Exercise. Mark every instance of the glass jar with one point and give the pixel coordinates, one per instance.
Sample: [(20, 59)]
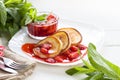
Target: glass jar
[(46, 27)]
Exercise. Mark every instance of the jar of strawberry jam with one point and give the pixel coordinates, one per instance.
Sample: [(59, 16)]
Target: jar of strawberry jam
[(45, 24)]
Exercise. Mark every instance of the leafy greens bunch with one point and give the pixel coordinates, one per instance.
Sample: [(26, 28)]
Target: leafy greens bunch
[(98, 68), (14, 14)]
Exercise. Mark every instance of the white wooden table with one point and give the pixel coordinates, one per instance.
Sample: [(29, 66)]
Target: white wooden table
[(104, 13)]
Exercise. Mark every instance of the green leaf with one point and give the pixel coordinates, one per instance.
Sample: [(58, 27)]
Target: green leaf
[(87, 78), (88, 64), (13, 29), (13, 12), (12, 1), (97, 76), (26, 20), (102, 64), (3, 13), (24, 8), (2, 0), (33, 13), (41, 17), (78, 70)]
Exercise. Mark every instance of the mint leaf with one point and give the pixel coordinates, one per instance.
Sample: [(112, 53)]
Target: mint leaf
[(79, 70), (40, 17), (103, 65), (13, 16), (88, 64), (13, 12), (32, 13), (98, 69), (26, 20), (12, 1), (3, 13), (97, 76)]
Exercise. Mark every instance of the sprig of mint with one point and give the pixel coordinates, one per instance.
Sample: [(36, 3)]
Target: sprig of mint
[(98, 68), (40, 18), (15, 14)]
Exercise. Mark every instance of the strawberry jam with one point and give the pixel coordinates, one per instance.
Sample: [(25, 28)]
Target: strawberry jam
[(71, 55), (45, 27)]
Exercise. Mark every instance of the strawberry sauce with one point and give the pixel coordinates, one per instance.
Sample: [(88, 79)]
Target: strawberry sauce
[(71, 55)]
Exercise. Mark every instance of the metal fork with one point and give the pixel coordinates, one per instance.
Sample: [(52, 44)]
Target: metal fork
[(12, 64), (7, 69)]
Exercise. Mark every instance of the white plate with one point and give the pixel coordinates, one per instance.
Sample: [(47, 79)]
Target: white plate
[(90, 33)]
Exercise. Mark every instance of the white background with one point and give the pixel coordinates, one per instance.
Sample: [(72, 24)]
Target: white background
[(104, 13)]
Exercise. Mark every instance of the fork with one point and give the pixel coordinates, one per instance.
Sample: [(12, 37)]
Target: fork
[(13, 64), (7, 69)]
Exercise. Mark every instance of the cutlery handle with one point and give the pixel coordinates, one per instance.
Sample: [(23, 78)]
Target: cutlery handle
[(9, 70), (4, 68)]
